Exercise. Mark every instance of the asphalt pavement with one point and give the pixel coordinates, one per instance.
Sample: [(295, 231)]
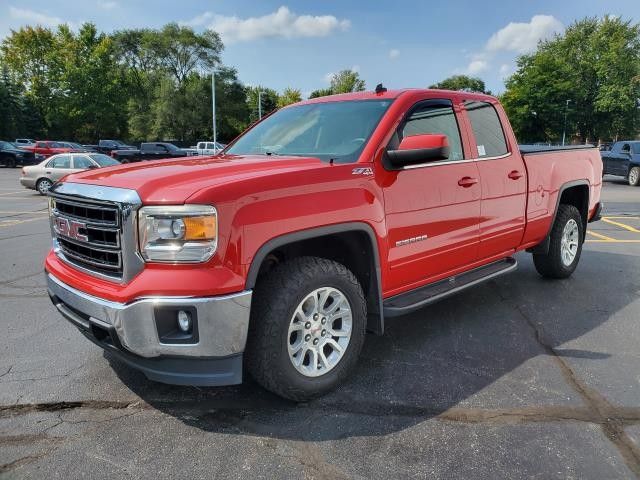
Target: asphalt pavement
[(518, 378)]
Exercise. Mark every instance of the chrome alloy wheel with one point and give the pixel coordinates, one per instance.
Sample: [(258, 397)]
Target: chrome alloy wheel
[(633, 176), (43, 186), (569, 242), (319, 331)]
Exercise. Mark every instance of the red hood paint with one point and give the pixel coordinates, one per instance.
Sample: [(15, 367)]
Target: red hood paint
[(174, 181)]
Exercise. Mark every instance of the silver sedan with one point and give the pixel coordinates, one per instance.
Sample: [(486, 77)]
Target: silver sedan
[(40, 177)]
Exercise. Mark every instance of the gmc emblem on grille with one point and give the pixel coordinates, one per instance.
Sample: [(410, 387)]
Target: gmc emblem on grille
[(70, 229)]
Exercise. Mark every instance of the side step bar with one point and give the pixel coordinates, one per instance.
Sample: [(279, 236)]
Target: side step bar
[(418, 298)]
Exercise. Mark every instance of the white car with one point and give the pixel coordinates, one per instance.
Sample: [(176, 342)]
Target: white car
[(209, 148)]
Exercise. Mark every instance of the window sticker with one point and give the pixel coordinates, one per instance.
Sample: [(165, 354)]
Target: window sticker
[(481, 151)]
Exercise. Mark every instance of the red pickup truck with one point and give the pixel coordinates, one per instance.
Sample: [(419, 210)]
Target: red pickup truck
[(314, 226), (46, 148)]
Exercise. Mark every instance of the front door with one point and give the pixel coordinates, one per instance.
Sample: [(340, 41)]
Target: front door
[(504, 183), (433, 209)]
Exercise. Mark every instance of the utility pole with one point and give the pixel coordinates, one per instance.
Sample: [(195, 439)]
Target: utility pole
[(259, 104), (564, 130), (213, 105)]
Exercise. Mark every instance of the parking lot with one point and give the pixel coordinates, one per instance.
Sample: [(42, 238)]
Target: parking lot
[(520, 377)]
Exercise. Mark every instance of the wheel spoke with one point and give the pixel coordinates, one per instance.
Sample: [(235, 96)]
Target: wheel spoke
[(307, 340)]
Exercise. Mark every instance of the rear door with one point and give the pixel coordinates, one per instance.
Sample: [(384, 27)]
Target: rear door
[(432, 209), (503, 180), (58, 167)]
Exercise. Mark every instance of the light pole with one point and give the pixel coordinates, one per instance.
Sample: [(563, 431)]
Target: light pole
[(213, 105), (564, 129), (259, 104)]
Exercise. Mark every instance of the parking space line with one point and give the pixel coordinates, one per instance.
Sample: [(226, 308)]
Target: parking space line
[(11, 193), (622, 217), (621, 225), (11, 223), (601, 237), (612, 241)]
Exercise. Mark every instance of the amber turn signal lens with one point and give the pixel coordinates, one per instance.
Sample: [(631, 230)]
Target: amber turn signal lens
[(200, 228)]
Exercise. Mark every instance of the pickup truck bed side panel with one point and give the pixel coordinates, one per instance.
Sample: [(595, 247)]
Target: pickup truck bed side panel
[(548, 172)]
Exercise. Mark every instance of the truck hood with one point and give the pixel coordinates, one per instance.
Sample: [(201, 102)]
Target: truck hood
[(175, 180)]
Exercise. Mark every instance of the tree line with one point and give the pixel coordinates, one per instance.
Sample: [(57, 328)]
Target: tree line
[(136, 84), (142, 84)]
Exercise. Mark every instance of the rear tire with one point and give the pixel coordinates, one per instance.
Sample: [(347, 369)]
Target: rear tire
[(565, 245), (43, 185), (287, 327), (634, 176)]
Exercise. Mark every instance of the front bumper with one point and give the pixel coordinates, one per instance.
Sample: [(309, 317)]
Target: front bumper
[(130, 331)]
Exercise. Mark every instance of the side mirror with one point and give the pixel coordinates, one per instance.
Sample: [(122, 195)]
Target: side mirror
[(415, 149)]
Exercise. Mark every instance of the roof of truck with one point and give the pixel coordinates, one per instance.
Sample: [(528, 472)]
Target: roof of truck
[(391, 94)]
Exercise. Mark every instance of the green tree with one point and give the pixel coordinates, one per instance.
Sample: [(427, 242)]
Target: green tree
[(347, 81), (323, 92), (268, 99), (462, 82), (289, 96), (31, 55), (595, 65)]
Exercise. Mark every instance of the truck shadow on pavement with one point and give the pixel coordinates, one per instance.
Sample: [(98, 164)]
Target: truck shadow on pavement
[(500, 346)]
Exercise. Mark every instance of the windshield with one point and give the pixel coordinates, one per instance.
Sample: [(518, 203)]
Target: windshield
[(4, 145), (103, 160), (330, 131), (171, 147)]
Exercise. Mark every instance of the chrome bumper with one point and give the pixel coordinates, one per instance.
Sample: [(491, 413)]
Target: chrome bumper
[(222, 321)]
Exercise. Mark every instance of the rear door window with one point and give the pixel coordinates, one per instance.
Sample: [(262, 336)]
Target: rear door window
[(61, 161), (487, 129)]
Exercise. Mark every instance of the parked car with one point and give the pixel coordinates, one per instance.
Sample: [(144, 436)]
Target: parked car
[(20, 142), (315, 225), (47, 148), (40, 177), (76, 147), (209, 148), (150, 151), (12, 156), (107, 146), (623, 160)]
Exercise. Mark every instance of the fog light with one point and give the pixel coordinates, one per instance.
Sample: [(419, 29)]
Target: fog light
[(184, 321)]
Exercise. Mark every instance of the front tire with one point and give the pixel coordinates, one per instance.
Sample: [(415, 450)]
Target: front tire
[(308, 319), (634, 176), (565, 246)]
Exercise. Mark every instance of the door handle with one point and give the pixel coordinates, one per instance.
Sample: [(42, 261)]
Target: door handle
[(467, 182), (515, 175)]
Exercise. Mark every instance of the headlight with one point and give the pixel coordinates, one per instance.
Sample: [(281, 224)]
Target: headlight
[(181, 233)]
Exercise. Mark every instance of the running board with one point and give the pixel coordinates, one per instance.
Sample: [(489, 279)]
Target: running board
[(418, 298)]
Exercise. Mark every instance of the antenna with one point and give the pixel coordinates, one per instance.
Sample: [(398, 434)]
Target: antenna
[(380, 89)]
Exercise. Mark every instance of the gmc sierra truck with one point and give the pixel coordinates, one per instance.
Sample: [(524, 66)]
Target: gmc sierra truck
[(319, 223)]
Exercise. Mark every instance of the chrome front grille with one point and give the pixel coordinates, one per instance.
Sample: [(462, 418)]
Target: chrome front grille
[(94, 230), (88, 234)]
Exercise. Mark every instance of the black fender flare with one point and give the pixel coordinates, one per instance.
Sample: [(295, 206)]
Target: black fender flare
[(543, 246), (375, 320)]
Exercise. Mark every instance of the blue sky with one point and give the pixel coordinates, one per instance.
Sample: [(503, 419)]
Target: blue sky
[(300, 43)]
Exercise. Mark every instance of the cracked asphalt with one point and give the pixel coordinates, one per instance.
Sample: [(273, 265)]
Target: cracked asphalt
[(518, 378)]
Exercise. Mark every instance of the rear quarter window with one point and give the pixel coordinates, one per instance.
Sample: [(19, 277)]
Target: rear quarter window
[(487, 129)]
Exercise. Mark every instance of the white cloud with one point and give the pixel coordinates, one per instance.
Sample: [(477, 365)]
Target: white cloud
[(394, 53), (33, 17), (107, 5), (477, 66), (282, 23), (198, 20), (524, 37)]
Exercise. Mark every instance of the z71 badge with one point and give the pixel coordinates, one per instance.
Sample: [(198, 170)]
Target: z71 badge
[(362, 171)]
